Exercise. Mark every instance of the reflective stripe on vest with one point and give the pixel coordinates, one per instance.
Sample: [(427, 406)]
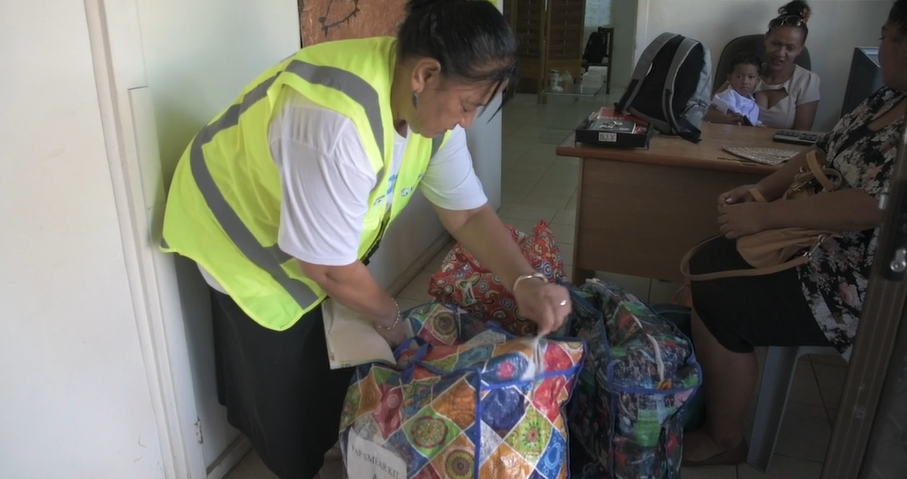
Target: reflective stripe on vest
[(270, 258)]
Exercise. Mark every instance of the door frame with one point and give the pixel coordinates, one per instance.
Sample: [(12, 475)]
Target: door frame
[(127, 122), (883, 310)]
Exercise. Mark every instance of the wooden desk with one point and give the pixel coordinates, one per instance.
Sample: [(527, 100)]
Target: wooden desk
[(639, 211)]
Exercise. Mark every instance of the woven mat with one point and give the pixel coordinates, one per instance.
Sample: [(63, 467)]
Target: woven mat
[(766, 156)]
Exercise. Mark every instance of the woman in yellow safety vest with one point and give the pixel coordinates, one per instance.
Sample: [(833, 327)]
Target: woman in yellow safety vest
[(281, 199)]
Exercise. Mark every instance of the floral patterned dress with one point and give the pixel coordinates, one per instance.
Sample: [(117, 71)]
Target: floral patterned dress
[(835, 280)]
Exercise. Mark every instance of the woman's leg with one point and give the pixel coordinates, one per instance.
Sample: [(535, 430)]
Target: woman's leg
[(729, 380), (278, 388), (732, 316)]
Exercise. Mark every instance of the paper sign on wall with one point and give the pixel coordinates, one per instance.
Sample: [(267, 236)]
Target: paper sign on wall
[(367, 460)]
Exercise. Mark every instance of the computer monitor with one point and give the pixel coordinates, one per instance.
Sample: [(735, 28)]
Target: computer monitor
[(865, 78)]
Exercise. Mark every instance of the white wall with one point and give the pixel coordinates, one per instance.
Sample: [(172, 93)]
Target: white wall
[(623, 19), (598, 14), (836, 27), (198, 56), (75, 398)]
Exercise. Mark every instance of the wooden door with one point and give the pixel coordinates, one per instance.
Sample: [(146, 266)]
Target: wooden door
[(565, 40), (528, 25)]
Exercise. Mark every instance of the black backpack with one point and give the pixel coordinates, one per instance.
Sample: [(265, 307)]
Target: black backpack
[(670, 87), (596, 48)]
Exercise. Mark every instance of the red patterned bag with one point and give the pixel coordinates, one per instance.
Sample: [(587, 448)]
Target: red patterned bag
[(468, 284)]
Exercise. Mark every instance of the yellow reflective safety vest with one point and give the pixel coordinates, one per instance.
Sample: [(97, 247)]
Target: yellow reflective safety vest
[(223, 207)]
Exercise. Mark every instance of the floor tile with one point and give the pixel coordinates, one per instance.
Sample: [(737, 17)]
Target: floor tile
[(529, 133), (636, 285), (534, 213), (805, 432), (523, 176), (563, 233), (539, 154), (565, 217), (407, 303), (525, 226), (554, 136), (534, 198), (572, 204), (662, 292), (561, 172), (709, 472), (251, 467), (331, 470), (566, 250), (513, 199), (782, 468), (417, 289), (568, 160), (830, 359), (434, 264), (512, 186), (831, 382), (514, 147), (805, 389), (559, 188)]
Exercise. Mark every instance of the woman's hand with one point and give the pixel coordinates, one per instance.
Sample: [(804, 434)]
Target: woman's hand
[(740, 194), (744, 218), (547, 304), (394, 336)]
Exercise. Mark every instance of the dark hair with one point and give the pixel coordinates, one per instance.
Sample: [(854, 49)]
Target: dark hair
[(469, 38), (747, 59), (797, 8), (898, 16)]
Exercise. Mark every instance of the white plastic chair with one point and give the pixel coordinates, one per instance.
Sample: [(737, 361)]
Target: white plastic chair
[(777, 376)]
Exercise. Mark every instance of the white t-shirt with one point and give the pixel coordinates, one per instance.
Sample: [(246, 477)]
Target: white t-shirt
[(802, 87), (326, 177), (731, 101)]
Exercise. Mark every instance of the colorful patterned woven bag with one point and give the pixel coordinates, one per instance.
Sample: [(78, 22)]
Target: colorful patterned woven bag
[(465, 282), (465, 400), (626, 416)]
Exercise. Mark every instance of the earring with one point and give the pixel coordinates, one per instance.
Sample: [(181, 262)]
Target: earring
[(415, 100)]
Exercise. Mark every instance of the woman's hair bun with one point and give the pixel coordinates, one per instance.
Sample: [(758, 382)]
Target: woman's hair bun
[(417, 5), (798, 8)]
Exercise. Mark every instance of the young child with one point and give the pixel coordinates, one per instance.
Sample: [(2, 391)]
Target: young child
[(737, 103)]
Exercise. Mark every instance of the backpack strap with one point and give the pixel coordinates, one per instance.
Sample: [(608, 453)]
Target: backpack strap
[(683, 128), (642, 69)]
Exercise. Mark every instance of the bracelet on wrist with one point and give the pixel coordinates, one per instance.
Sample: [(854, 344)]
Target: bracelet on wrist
[(397, 318), (528, 276)]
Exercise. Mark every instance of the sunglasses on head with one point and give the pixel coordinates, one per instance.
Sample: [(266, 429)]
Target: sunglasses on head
[(789, 20)]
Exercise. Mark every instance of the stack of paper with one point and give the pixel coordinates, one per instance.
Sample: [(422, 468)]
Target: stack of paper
[(352, 339)]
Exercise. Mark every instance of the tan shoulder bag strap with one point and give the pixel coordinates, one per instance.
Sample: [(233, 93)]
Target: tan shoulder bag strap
[(685, 266), (818, 171)]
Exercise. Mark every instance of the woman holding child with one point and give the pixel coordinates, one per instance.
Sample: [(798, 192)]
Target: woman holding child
[(784, 94), (818, 303)]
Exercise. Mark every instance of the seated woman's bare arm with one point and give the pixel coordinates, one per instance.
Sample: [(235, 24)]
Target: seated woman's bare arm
[(761, 99), (806, 116), (846, 210)]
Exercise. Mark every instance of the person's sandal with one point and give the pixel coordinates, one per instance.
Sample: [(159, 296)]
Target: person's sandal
[(731, 457)]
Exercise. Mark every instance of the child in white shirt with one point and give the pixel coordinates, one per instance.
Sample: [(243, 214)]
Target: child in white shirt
[(737, 104)]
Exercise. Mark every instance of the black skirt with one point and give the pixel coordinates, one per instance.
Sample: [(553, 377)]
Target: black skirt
[(745, 312), (278, 387)]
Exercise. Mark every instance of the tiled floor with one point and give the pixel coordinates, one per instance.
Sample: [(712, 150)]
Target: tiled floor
[(539, 185)]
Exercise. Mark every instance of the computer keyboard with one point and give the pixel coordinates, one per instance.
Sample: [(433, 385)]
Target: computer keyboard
[(796, 137)]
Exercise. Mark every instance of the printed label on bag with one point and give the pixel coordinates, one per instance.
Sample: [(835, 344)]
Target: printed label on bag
[(607, 137), (368, 460)]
